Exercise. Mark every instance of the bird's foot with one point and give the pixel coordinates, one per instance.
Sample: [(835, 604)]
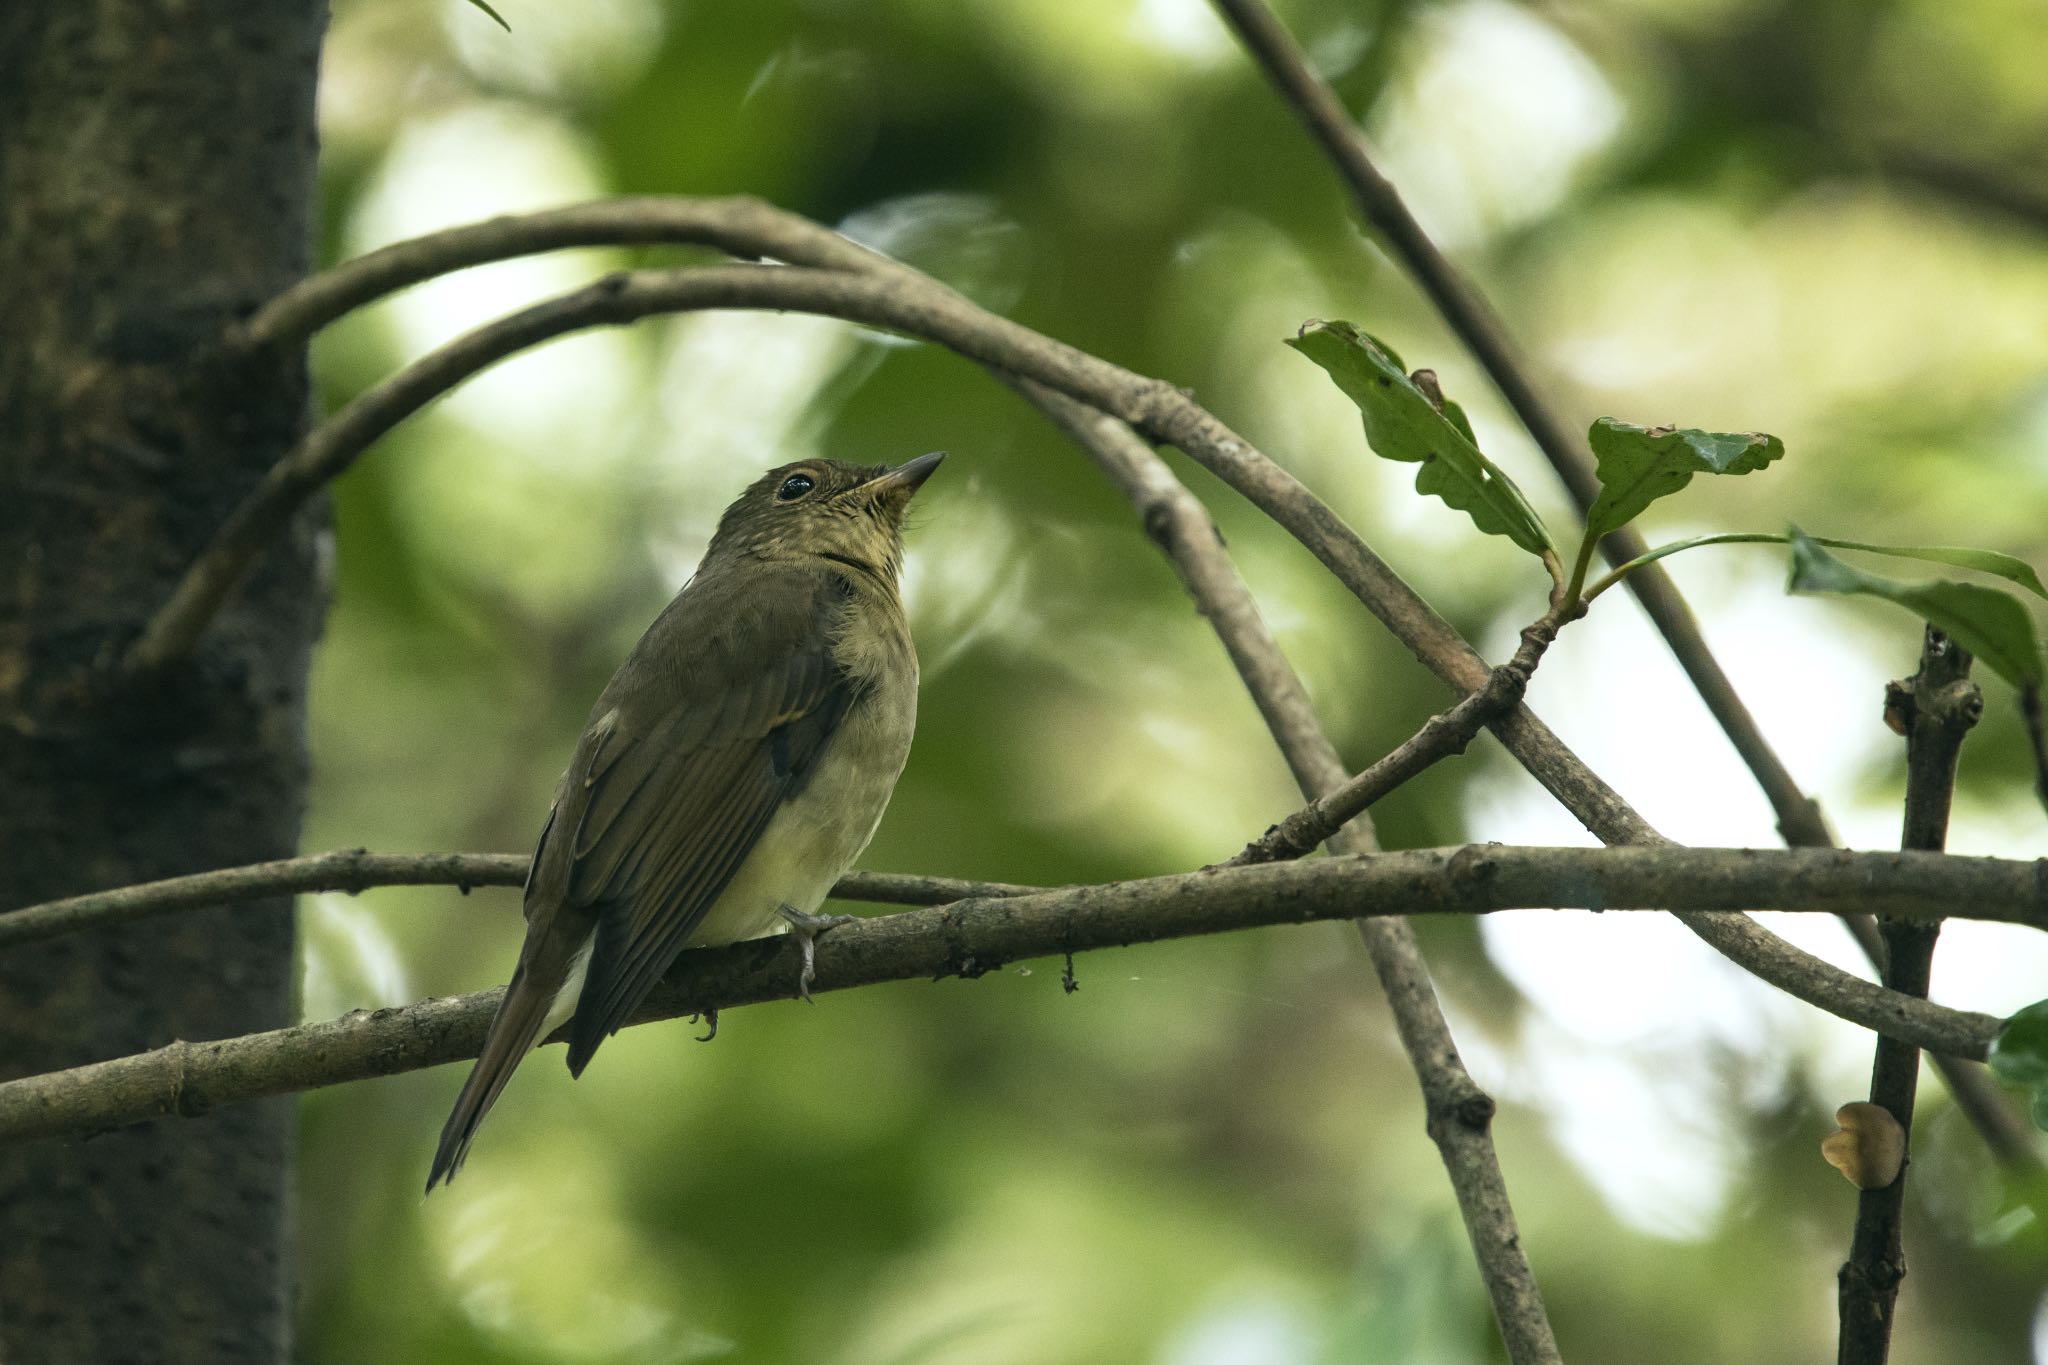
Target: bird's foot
[(710, 1018), (805, 929)]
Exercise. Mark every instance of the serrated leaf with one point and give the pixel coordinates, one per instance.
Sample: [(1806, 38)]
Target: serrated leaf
[(1402, 424), (2020, 1051), (1455, 415), (1989, 622), (1638, 465)]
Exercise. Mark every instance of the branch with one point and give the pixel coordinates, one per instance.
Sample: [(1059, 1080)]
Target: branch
[(1176, 521), (976, 936), (741, 226), (1940, 706), (1459, 1112), (907, 302), (355, 870), (1800, 821), (1462, 306), (1442, 735)]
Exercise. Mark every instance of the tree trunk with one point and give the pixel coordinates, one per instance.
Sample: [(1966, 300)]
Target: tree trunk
[(156, 172)]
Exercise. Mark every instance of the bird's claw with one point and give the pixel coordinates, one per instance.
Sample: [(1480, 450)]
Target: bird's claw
[(710, 1018), (805, 929)]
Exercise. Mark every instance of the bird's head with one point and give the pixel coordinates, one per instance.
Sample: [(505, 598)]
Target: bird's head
[(850, 514)]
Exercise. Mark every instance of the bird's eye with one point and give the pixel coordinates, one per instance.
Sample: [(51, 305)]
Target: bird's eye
[(794, 487)]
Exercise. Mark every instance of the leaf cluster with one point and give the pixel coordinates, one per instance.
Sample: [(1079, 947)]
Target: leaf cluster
[(1407, 418)]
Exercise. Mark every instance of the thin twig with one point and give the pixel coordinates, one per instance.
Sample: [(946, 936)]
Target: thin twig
[(1939, 706), (1800, 820), (976, 936), (1468, 314), (1459, 1112), (1442, 735), (356, 870)]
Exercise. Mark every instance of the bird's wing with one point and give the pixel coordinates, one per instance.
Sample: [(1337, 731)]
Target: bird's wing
[(682, 770)]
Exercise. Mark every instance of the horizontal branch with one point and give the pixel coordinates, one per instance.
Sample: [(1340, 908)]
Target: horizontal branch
[(972, 937), (355, 870)]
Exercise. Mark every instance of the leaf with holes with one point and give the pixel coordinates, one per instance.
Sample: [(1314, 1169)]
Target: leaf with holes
[(1989, 622), (1638, 465), (1401, 423)]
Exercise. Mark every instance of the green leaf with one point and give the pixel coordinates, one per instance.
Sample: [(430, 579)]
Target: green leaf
[(2011, 569), (1989, 622), (2019, 1055), (1402, 424), (1985, 561), (1638, 465)]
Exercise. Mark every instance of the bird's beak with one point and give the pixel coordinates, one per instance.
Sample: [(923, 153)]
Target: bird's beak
[(898, 484)]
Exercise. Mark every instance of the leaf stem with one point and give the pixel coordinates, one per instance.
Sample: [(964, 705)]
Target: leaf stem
[(1621, 571), (1587, 544)]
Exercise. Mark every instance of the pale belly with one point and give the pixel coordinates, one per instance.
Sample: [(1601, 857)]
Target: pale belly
[(815, 837), (808, 844)]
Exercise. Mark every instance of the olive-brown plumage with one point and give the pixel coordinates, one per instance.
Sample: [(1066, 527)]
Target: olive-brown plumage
[(731, 771)]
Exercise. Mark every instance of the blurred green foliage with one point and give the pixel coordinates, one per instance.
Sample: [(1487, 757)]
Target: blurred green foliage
[(1805, 216)]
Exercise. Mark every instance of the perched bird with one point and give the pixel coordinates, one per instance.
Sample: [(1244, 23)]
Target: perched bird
[(732, 770)]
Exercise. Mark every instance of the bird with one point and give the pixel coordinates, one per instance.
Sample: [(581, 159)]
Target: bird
[(731, 770)]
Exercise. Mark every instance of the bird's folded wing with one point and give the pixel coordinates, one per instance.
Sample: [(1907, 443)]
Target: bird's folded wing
[(664, 801)]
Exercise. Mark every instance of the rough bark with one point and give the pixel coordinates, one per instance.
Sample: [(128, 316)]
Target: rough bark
[(156, 170)]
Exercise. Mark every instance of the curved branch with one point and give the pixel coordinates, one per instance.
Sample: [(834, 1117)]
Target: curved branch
[(355, 870), (897, 299), (976, 936), (740, 226), (1460, 1113), (1175, 520)]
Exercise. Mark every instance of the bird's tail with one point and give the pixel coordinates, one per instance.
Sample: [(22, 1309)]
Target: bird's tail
[(521, 1018)]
